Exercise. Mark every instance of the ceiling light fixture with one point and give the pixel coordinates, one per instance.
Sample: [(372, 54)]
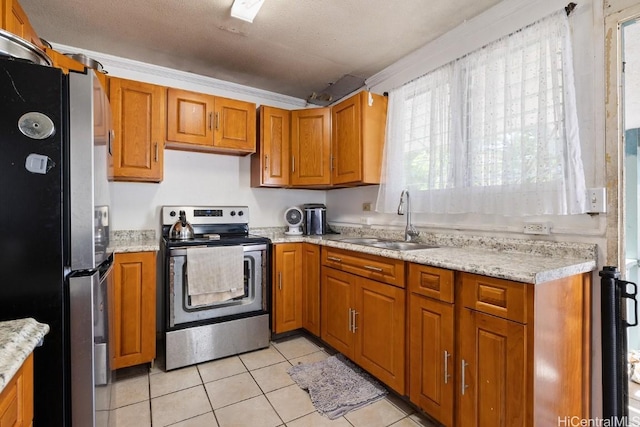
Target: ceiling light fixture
[(246, 9)]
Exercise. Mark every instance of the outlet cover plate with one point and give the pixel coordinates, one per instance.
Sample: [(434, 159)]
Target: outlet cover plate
[(537, 228)]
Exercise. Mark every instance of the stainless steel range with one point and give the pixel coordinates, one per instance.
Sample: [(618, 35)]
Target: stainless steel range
[(216, 284)]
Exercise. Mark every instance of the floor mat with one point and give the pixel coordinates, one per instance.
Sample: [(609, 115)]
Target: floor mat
[(336, 386)]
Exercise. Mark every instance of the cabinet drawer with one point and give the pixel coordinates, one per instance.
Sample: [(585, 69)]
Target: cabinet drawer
[(387, 270), (498, 297), (431, 282)]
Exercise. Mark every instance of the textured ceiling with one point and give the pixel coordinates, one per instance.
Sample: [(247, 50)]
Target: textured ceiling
[(293, 47)]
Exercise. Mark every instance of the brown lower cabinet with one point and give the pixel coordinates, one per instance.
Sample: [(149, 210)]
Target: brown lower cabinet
[(365, 320), (311, 288), (134, 308), (16, 399)]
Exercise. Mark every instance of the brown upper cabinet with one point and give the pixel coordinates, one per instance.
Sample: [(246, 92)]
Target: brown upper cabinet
[(357, 139), (200, 122), (339, 146), (311, 147), (270, 163), (138, 120), (15, 20)]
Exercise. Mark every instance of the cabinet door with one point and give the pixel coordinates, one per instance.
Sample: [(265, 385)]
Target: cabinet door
[(311, 288), (431, 362), (234, 124), (336, 307), (138, 120), (134, 308), (311, 147), (270, 163), (346, 142), (189, 117), (287, 287), (15, 20), (16, 399), (493, 372), (380, 331)]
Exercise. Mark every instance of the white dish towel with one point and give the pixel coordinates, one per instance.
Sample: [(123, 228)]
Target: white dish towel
[(215, 274)]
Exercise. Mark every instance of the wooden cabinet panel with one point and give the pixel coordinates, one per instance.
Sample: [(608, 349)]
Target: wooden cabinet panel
[(16, 399), (200, 122), (431, 355), (270, 164), (498, 297), (380, 332), (134, 308), (138, 118), (311, 147), (336, 303), (358, 133), (15, 20), (311, 288), (431, 282), (494, 381), (287, 287), (374, 267), (189, 117), (234, 125)]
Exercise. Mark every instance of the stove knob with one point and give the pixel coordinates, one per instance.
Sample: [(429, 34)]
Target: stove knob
[(233, 213), (240, 213), (172, 213)]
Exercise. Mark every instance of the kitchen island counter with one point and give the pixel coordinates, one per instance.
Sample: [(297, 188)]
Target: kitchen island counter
[(18, 339), (525, 261)]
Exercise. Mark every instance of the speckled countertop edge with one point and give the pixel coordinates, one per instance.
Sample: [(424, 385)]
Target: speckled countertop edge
[(121, 241), (529, 262), (18, 338)]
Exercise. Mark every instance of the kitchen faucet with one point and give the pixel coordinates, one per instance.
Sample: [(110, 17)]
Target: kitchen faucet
[(409, 230)]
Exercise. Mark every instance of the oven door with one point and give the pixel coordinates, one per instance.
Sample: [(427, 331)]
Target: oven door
[(182, 313)]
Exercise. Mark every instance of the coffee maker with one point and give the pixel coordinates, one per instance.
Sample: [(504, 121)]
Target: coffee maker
[(315, 219)]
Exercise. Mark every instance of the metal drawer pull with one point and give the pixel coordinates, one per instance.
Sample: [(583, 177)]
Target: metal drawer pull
[(447, 355), (372, 268), (464, 386), (280, 280), (355, 313), (332, 258)]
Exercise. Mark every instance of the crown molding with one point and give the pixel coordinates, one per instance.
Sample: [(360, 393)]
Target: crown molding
[(168, 73)]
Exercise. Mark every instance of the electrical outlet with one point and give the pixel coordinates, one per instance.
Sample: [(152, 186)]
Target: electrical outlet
[(537, 228), (366, 207)]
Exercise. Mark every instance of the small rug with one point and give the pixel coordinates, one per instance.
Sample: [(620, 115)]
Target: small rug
[(336, 386)]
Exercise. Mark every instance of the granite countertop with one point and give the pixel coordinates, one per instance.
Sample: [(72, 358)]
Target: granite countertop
[(523, 261), (18, 338), (134, 241)]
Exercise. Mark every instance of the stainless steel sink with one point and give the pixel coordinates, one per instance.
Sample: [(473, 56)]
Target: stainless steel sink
[(403, 246), (387, 244), (361, 240)]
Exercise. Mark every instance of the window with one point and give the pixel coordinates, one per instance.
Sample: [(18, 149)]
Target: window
[(494, 132)]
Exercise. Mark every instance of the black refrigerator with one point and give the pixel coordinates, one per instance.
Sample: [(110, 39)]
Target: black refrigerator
[(54, 254)]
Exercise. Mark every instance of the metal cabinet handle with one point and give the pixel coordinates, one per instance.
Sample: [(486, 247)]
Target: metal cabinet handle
[(155, 158), (266, 162), (332, 258), (464, 386), (293, 164), (331, 163), (217, 120), (447, 355), (372, 268), (355, 326), (210, 121), (280, 280), (350, 321)]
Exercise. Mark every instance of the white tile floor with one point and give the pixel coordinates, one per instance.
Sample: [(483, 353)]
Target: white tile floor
[(252, 389)]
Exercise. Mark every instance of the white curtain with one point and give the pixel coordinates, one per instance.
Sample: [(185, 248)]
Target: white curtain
[(495, 132)]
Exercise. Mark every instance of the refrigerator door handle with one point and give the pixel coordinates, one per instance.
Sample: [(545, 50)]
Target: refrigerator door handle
[(632, 296)]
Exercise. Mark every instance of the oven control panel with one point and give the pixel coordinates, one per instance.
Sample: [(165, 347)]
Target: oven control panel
[(206, 214)]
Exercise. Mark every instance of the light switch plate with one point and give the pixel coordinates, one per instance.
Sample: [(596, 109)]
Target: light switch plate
[(597, 200)]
